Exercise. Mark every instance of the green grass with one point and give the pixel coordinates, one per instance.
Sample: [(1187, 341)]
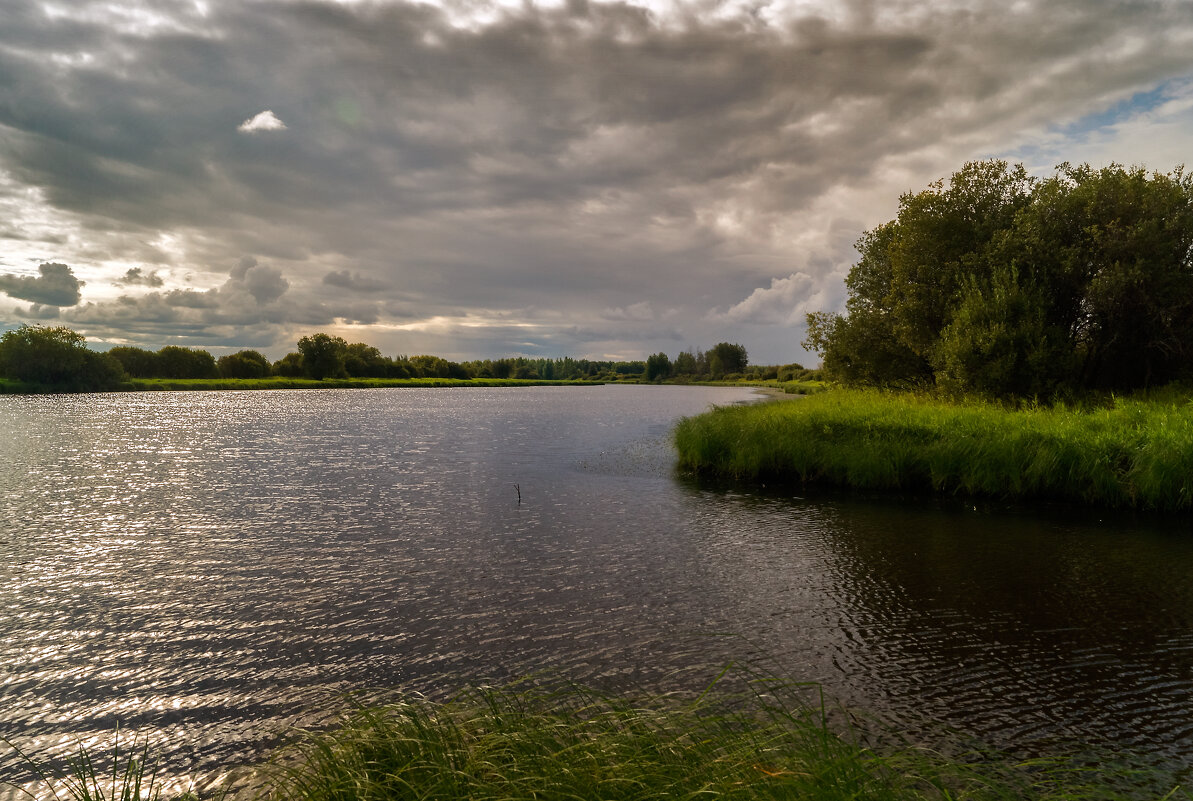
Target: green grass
[(131, 776), (10, 386), (802, 387), (786, 387), (534, 740), (1132, 453)]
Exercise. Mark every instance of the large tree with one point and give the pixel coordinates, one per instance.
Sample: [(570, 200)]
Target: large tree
[(999, 284), (56, 357), (174, 361), (658, 367), (726, 357), (323, 356), (244, 364), (137, 362)]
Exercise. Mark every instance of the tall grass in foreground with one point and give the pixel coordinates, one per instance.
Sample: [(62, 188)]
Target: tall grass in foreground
[(1133, 453), (531, 741), (131, 776), (573, 743)]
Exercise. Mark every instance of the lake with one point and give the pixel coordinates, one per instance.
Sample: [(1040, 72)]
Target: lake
[(213, 568)]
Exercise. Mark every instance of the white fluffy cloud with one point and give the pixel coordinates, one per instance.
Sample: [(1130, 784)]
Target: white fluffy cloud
[(265, 121), (785, 301)]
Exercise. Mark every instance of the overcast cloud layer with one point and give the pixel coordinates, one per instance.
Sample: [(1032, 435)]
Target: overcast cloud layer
[(471, 180)]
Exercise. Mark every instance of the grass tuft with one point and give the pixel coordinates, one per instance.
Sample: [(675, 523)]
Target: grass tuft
[(534, 742), (132, 776)]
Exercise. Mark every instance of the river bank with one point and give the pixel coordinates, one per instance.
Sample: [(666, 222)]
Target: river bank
[(1134, 454)]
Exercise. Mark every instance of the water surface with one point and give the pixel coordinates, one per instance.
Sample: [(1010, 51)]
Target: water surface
[(213, 568)]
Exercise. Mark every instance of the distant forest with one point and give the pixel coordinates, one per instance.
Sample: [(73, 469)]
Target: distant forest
[(58, 357)]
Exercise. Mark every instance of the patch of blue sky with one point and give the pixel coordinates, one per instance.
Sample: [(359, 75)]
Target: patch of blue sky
[(1111, 132), (1132, 107)]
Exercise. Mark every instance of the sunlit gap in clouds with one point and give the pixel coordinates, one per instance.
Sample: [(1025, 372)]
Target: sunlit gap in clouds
[(467, 15), (131, 18)]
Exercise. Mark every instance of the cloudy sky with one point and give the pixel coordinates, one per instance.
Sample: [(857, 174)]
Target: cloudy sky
[(474, 178)]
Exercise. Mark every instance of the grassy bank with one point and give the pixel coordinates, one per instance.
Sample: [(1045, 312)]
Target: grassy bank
[(10, 386), (568, 742), (573, 743), (786, 387), (1131, 454)]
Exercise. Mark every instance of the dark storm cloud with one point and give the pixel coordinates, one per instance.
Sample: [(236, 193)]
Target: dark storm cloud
[(189, 299), (347, 279), (265, 284), (55, 285), (40, 312), (585, 159)]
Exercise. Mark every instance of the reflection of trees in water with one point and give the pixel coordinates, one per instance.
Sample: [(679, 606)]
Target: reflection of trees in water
[(1019, 626)]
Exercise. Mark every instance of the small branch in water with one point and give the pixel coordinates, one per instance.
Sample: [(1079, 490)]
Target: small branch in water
[(518, 489)]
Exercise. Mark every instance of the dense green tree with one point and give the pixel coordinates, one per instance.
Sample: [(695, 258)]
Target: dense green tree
[(999, 344), (399, 368), (137, 362), (431, 366), (244, 364), (177, 362), (658, 367), (57, 357), (289, 366), (862, 349), (685, 364), (725, 358), (937, 242), (365, 361), (1002, 285), (323, 356), (1125, 271)]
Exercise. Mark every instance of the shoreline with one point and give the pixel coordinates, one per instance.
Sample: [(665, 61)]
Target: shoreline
[(775, 390)]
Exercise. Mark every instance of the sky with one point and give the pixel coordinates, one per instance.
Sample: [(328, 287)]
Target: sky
[(477, 179)]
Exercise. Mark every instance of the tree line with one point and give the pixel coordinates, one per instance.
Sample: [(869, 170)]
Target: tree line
[(999, 284), (58, 357)]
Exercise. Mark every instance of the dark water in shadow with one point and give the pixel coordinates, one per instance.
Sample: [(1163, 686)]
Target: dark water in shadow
[(212, 568)]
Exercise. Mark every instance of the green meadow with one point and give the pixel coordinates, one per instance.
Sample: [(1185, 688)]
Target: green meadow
[(1125, 453)]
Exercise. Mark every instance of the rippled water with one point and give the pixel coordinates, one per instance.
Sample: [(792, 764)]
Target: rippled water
[(213, 568)]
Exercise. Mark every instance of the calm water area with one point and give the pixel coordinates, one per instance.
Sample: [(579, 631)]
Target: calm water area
[(212, 569)]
